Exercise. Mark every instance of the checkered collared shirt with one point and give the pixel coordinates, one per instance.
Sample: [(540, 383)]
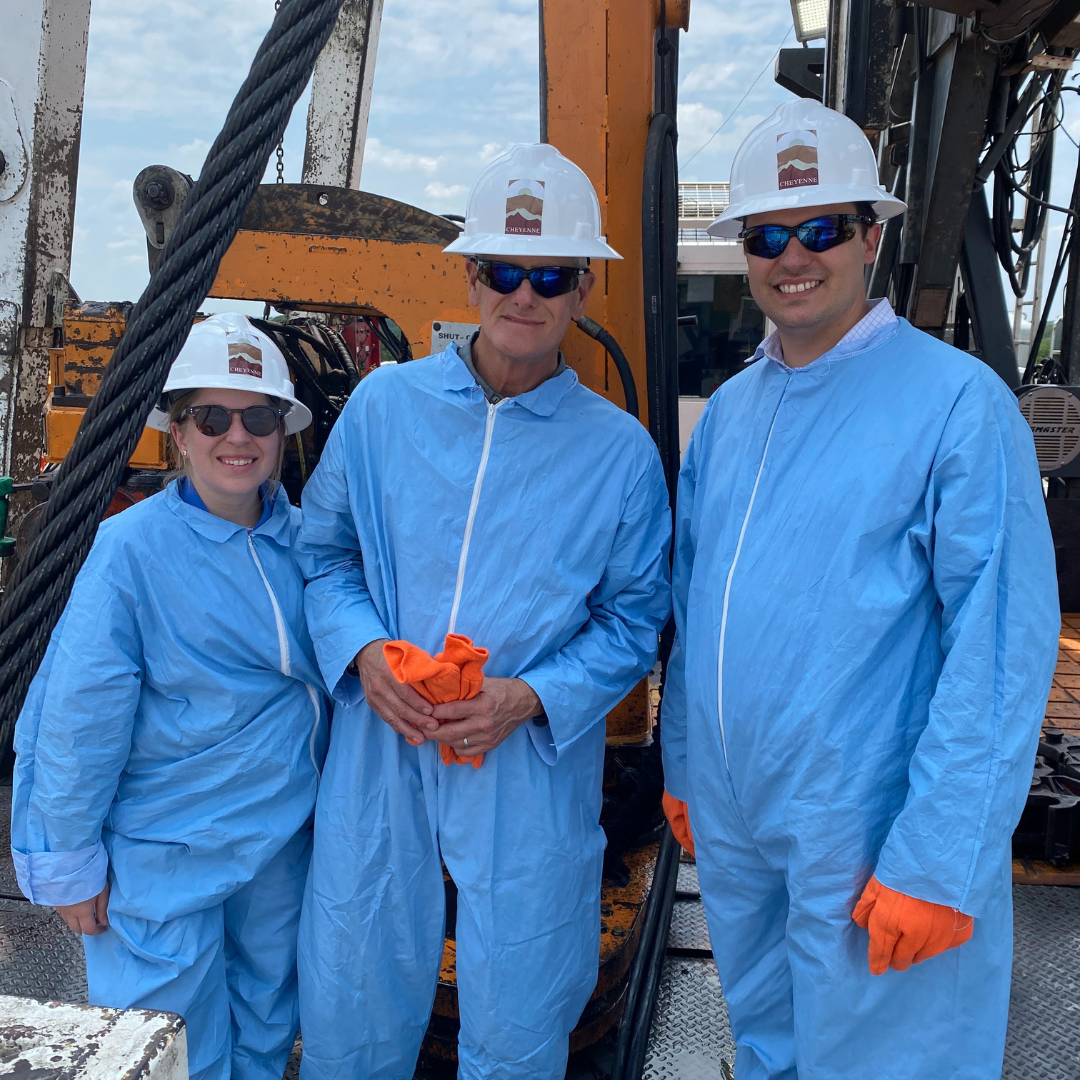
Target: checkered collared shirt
[(876, 319)]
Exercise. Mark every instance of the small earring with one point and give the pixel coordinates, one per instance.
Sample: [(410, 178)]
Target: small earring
[(183, 453)]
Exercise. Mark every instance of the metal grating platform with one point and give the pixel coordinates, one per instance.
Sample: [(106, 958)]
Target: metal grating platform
[(689, 929), (8, 884), (690, 1034), (39, 956), (688, 879), (691, 1037), (1044, 1014)]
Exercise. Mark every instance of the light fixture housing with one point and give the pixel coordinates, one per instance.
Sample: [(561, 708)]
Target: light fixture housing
[(811, 18)]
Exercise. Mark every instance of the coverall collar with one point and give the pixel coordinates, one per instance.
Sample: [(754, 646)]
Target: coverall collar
[(874, 327), (541, 401), (275, 526)]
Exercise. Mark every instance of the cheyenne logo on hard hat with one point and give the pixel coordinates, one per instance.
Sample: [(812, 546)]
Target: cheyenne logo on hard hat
[(796, 158), (524, 207), (245, 359)]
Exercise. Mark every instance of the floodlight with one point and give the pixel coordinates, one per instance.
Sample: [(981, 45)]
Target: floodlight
[(811, 18)]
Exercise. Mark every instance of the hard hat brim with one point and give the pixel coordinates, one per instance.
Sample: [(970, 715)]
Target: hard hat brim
[(730, 223), (551, 247)]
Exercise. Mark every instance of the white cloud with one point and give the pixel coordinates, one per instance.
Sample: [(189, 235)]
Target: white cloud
[(711, 76), (390, 157), (189, 157), (439, 190), (697, 122)]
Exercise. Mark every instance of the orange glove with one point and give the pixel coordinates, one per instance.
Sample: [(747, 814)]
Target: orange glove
[(455, 674), (679, 820), (906, 931)]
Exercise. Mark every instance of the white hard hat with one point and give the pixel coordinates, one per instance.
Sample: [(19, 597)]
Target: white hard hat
[(803, 155), (533, 201), (225, 352)]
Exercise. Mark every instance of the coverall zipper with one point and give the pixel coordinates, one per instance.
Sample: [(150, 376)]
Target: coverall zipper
[(478, 484), (283, 648), (731, 575)]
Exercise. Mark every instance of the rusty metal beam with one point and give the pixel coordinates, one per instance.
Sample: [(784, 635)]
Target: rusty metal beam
[(341, 97), (42, 71)]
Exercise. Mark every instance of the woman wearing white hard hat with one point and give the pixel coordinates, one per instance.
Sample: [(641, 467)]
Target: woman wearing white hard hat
[(170, 745), (867, 628), (482, 492)]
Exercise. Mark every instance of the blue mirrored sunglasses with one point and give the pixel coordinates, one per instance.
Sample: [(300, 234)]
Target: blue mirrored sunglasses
[(817, 235), (547, 281)]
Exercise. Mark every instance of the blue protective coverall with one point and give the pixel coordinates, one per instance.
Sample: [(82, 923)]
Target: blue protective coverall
[(542, 520), (867, 628), (170, 741)]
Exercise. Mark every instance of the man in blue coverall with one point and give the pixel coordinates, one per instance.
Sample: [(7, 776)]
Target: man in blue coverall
[(482, 491), (867, 628)]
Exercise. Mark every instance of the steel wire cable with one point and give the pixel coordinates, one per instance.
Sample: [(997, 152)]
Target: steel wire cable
[(156, 330)]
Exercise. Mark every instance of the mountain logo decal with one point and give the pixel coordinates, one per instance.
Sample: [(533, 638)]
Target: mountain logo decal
[(796, 158), (524, 207), (245, 359)]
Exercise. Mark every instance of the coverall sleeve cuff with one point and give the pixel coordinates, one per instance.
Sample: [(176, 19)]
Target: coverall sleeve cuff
[(565, 725), (58, 878), (543, 741), (675, 777), (914, 877), (676, 786), (346, 686)]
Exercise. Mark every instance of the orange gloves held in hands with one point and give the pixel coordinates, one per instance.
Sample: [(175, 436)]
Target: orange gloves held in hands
[(679, 820), (455, 674), (906, 931)]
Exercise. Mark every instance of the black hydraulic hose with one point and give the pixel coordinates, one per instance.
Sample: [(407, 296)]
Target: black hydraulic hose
[(659, 250), (659, 243), (156, 329), (319, 338), (629, 386), (341, 350), (654, 968), (397, 349), (647, 964), (290, 337), (304, 369)]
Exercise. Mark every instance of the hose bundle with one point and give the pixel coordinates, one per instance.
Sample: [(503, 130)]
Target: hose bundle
[(156, 330)]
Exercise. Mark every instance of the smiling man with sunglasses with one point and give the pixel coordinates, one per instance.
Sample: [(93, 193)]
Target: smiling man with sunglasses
[(867, 627), (480, 499)]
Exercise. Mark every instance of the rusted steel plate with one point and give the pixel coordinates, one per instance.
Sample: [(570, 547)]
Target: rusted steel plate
[(315, 210), (1037, 872), (51, 1041), (631, 720)]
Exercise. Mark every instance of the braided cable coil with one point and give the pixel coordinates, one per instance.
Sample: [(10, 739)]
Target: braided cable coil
[(156, 329)]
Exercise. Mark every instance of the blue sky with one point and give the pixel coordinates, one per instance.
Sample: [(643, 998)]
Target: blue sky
[(455, 84)]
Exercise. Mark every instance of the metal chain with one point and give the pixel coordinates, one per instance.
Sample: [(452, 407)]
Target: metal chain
[(157, 328), (281, 144)]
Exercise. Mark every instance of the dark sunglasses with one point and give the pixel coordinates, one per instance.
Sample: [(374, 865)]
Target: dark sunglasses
[(547, 281), (216, 419), (818, 235)]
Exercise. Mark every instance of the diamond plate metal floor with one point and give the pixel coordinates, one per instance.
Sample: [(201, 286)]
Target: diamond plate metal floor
[(1044, 1014), (691, 1038), (690, 1035)]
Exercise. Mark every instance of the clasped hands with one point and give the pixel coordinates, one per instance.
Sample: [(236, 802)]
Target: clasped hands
[(486, 720)]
